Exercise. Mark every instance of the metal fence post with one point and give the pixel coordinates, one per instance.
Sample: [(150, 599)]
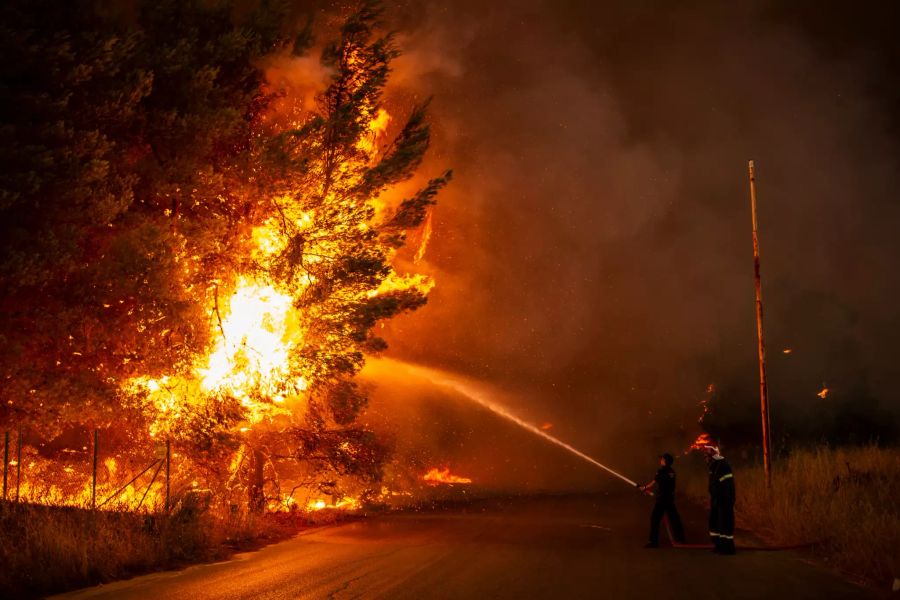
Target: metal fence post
[(18, 462), (5, 460), (94, 476), (168, 463)]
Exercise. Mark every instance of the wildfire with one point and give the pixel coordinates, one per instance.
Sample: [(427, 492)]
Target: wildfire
[(436, 476), (275, 299), (256, 330), (253, 348)]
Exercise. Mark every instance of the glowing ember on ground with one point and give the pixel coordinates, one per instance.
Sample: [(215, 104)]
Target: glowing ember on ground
[(787, 350), (436, 476), (344, 504), (824, 393)]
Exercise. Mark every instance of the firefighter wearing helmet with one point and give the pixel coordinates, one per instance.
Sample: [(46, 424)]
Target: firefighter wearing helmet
[(721, 501)]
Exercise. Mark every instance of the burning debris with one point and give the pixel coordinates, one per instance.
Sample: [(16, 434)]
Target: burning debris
[(824, 392), (436, 476)]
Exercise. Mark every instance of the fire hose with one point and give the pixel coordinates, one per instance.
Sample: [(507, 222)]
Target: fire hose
[(481, 397)]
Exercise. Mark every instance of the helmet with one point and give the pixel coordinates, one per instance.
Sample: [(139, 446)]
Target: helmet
[(668, 458)]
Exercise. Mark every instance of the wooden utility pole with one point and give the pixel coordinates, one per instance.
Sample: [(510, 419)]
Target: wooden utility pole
[(18, 462), (763, 387)]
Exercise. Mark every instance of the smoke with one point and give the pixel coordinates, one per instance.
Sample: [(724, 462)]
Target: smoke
[(594, 247)]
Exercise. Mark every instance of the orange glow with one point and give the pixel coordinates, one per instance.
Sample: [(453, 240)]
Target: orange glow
[(377, 126), (436, 476), (395, 283), (787, 350), (547, 426), (824, 393)]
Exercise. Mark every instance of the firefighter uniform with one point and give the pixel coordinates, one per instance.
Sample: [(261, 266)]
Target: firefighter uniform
[(665, 505), (721, 505)]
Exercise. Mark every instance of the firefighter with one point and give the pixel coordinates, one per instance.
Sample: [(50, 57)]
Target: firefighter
[(664, 481), (721, 501)]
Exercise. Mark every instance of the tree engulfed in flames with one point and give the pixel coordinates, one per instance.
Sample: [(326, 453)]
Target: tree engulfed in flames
[(293, 274), (317, 276)]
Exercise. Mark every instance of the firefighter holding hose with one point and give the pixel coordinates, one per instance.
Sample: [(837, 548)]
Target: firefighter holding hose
[(721, 501), (664, 481)]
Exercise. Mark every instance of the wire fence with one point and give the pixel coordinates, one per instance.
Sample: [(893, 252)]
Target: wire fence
[(144, 485)]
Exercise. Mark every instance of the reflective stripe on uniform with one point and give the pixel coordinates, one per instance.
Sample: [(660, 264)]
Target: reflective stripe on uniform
[(727, 537), (713, 534), (727, 476)]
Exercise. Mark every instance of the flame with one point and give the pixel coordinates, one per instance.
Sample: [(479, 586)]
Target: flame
[(436, 476), (824, 393), (257, 335), (426, 237), (704, 439), (47, 482), (787, 350), (394, 283), (343, 504), (255, 331), (547, 426), (377, 126)]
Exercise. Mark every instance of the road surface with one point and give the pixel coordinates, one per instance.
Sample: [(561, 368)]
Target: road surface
[(545, 547)]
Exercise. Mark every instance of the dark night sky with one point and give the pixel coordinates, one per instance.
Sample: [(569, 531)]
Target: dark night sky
[(594, 250)]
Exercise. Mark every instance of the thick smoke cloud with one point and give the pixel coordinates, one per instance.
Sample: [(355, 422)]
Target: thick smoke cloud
[(594, 250)]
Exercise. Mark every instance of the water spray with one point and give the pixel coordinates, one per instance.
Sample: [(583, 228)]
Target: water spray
[(479, 397)]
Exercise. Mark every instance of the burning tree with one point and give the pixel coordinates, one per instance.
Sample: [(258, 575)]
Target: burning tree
[(190, 253)]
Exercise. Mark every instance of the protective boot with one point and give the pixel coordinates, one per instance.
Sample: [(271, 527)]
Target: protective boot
[(727, 547)]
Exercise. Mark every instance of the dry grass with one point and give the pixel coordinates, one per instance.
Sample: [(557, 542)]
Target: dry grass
[(44, 550), (852, 511)]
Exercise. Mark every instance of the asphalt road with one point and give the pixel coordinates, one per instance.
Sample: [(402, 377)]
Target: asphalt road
[(558, 547)]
